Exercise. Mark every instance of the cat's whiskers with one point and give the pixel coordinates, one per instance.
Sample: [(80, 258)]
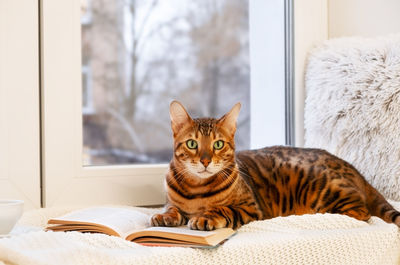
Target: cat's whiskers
[(240, 171), (227, 176), (180, 175)]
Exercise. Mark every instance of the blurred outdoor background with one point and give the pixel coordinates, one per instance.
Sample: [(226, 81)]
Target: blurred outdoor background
[(139, 55)]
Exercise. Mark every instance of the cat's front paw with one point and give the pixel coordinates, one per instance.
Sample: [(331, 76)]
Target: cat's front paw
[(165, 219), (204, 223)]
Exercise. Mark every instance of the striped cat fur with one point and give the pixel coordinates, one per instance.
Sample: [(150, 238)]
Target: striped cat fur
[(210, 186)]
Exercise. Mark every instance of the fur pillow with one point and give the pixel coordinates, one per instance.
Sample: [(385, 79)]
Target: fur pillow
[(352, 106)]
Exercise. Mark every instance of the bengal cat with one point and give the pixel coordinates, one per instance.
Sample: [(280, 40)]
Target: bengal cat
[(209, 186)]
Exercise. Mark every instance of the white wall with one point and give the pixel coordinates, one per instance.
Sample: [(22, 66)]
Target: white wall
[(363, 17), (310, 27)]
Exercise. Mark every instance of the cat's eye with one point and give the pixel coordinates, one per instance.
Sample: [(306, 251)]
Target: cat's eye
[(191, 144), (218, 144)]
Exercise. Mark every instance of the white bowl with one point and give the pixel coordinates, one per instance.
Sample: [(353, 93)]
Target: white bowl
[(10, 212)]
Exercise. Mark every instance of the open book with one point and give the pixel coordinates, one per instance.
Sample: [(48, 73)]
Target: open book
[(134, 226)]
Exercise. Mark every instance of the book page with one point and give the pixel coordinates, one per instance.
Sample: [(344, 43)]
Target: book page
[(182, 230), (179, 235), (121, 220)]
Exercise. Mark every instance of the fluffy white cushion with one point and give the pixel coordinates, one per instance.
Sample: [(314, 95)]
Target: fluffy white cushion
[(353, 106)]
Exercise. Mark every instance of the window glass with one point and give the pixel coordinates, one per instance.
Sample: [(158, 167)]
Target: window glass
[(139, 55)]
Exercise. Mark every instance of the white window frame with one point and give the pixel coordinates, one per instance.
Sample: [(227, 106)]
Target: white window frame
[(66, 180), (267, 127), (19, 102)]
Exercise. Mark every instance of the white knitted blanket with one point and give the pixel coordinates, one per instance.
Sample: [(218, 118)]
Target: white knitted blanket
[(307, 239)]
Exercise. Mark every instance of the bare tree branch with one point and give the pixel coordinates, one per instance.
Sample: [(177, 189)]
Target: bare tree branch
[(128, 128), (145, 20)]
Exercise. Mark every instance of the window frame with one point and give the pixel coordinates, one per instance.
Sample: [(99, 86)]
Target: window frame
[(19, 103), (66, 181)]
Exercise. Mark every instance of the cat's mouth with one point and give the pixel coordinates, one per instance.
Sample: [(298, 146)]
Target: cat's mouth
[(205, 171)]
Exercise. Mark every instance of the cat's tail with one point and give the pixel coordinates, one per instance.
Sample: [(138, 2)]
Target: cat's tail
[(379, 206)]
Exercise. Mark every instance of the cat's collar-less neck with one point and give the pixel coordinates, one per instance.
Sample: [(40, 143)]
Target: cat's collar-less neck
[(177, 171)]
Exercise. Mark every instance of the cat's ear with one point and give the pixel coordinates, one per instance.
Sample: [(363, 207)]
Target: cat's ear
[(228, 121), (179, 116)]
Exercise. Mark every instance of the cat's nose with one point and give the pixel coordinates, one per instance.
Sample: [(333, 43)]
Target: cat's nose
[(205, 161)]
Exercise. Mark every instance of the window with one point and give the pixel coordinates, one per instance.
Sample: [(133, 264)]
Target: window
[(143, 54), (112, 155)]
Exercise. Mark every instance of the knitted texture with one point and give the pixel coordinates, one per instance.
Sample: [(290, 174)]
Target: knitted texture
[(306, 239), (353, 106)]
